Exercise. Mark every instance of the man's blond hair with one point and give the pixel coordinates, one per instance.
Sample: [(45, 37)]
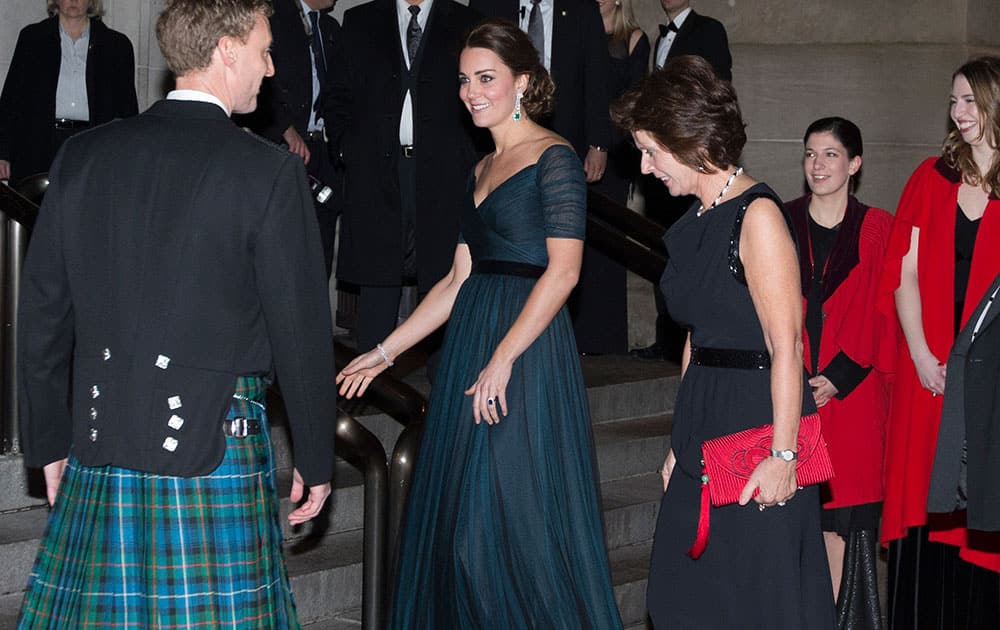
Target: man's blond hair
[(189, 30)]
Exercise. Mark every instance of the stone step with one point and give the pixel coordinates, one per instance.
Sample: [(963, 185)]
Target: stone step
[(629, 567), (326, 574), (630, 507), (632, 447)]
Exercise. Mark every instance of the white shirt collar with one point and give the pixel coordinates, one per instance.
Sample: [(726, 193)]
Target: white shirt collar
[(679, 20), (403, 10), (196, 95)]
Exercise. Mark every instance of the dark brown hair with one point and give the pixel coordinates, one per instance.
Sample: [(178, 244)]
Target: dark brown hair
[(517, 52), (689, 111), (189, 30), (983, 75)]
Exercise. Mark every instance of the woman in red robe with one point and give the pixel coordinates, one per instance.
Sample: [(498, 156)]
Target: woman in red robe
[(841, 249), (943, 253)]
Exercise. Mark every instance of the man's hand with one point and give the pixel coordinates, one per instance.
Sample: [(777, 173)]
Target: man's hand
[(296, 144), (4, 169), (594, 164), (53, 473), (314, 502)]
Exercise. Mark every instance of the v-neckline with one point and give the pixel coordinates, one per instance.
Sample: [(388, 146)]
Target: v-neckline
[(497, 187)]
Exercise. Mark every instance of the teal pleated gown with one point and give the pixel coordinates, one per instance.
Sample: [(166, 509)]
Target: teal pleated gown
[(502, 528)]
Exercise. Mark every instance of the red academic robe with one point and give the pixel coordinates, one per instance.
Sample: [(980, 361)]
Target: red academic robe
[(929, 202), (854, 428)]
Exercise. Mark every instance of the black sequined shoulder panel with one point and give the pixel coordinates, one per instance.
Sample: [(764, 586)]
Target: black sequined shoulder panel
[(735, 264)]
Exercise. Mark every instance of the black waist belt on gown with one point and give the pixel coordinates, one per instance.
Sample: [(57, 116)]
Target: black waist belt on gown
[(508, 268), (726, 358)]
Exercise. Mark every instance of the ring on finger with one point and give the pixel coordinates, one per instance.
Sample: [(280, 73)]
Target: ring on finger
[(781, 504), (490, 401), (761, 507)]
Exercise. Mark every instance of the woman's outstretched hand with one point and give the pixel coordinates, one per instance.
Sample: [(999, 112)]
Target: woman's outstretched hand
[(489, 392), (359, 373)]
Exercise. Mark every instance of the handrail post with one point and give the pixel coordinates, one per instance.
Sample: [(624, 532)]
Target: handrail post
[(355, 441), (401, 466), (8, 430)]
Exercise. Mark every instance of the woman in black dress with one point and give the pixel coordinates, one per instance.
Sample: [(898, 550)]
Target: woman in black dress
[(733, 281)]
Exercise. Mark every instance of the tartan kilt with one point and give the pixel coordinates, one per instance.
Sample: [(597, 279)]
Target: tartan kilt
[(129, 549)]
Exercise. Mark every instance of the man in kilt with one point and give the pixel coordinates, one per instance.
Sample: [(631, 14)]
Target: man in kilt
[(175, 270)]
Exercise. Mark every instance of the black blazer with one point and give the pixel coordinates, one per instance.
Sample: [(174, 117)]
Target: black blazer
[(369, 88), (971, 415), (704, 37), (28, 101), (286, 98), (172, 238), (580, 68)]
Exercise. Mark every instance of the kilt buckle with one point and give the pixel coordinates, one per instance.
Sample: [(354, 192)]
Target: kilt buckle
[(241, 427)]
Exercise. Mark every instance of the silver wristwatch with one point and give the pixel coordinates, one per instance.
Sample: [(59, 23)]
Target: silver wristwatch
[(787, 455)]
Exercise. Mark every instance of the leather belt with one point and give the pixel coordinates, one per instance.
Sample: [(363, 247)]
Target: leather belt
[(406, 150), (316, 136), (726, 358), (241, 427), (67, 123)]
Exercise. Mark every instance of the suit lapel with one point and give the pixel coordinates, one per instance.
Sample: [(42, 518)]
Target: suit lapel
[(390, 44), (683, 34)]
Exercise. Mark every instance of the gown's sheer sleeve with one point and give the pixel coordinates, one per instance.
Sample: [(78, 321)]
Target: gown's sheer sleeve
[(563, 188)]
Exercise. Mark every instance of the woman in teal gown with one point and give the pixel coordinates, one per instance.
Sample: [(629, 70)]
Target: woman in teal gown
[(503, 528)]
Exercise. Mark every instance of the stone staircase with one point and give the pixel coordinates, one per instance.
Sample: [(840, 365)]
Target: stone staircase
[(631, 404)]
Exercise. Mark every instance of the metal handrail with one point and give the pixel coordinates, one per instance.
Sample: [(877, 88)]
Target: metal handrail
[(17, 218), (407, 406), (628, 238), (630, 223), (357, 444)]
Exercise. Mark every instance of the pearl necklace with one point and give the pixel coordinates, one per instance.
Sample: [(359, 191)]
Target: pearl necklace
[(729, 182)]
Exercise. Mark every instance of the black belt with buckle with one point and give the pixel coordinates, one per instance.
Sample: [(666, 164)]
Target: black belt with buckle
[(316, 136), (67, 123), (406, 150), (241, 427)]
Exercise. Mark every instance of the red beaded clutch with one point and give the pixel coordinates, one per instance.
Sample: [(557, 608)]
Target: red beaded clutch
[(728, 461)]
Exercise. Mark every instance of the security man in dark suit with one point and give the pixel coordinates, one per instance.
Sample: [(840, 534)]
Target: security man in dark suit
[(687, 32), (294, 105), (156, 306), (407, 150)]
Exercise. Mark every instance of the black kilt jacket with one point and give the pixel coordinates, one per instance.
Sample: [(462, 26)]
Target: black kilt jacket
[(173, 253)]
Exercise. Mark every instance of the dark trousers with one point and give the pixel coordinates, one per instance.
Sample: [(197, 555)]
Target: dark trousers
[(378, 306), (320, 166), (932, 588)]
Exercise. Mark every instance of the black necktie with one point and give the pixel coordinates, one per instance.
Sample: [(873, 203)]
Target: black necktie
[(413, 33), (536, 31), (666, 28), (317, 46)]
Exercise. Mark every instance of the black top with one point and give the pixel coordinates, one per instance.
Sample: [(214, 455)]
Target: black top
[(842, 371), (965, 242)]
